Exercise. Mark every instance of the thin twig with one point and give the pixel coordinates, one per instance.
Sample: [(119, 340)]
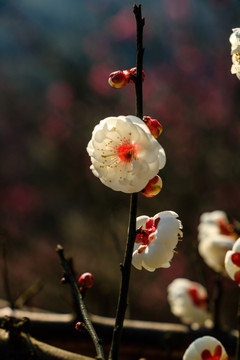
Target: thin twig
[(217, 297), (126, 266), (78, 296), (6, 275)]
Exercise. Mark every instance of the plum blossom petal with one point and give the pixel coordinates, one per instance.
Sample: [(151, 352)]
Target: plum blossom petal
[(124, 154), (156, 239), (232, 262), (188, 301), (216, 236), (235, 51), (235, 41), (205, 348)]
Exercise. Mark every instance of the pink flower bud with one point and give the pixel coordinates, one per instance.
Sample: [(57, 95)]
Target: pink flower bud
[(118, 79), (153, 187), (86, 281), (133, 74), (154, 126), (80, 326)]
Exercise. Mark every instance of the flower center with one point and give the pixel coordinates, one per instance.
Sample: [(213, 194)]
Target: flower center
[(237, 55), (126, 151), (206, 355), (196, 298), (146, 236), (226, 228)]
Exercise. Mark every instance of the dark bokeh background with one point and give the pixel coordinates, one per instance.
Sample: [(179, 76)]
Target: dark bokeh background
[(55, 58)]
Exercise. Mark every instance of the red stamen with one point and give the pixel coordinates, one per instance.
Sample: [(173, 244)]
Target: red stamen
[(196, 298), (225, 228), (126, 152)]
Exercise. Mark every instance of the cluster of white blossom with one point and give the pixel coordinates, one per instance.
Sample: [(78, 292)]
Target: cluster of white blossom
[(126, 157), (235, 51)]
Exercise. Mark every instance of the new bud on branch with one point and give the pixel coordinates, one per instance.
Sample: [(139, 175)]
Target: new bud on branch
[(119, 78), (154, 126), (154, 186), (86, 281)]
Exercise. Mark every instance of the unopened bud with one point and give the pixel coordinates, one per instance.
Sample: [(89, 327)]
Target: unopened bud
[(86, 281), (153, 187), (80, 326), (118, 79), (133, 74), (154, 126)]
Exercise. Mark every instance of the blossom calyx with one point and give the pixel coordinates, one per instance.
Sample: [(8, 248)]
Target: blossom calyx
[(86, 281), (153, 187), (154, 126), (133, 75), (118, 79)]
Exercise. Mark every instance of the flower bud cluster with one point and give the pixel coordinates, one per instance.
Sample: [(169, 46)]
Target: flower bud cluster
[(119, 78)]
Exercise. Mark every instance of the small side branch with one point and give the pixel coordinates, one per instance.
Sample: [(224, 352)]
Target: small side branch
[(79, 299)]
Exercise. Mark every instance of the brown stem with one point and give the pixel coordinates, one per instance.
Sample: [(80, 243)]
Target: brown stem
[(126, 266), (78, 296)]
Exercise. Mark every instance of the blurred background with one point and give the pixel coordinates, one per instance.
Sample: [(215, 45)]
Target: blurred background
[(55, 58)]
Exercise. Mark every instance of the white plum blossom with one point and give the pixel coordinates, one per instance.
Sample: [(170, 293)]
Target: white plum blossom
[(232, 262), (156, 239), (216, 236), (235, 51), (205, 348), (124, 154), (188, 301), (235, 41)]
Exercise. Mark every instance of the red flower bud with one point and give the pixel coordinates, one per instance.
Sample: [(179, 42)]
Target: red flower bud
[(153, 187), (86, 281), (133, 74), (80, 326), (154, 126), (118, 79)]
